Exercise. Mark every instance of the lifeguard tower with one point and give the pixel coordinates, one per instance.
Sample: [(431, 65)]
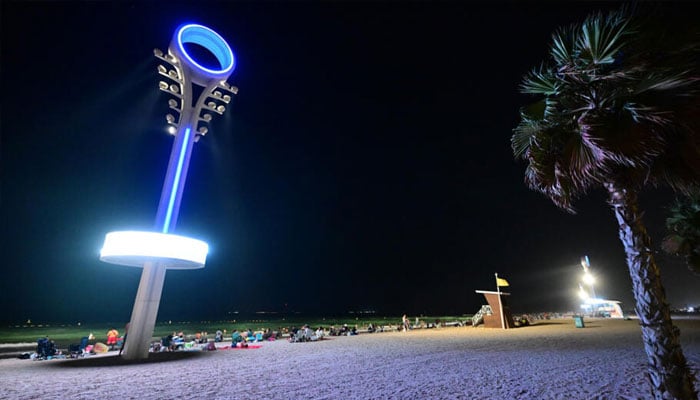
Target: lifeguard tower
[(500, 315), (497, 313)]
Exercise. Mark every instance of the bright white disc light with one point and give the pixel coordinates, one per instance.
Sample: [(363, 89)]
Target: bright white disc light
[(134, 248)]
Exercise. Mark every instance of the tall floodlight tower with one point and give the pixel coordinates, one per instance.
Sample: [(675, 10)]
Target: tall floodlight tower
[(161, 250), (588, 278)]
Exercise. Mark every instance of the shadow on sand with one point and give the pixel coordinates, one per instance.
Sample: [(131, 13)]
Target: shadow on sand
[(116, 360), (543, 323)]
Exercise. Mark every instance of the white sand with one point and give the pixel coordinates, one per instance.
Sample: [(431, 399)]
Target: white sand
[(550, 360)]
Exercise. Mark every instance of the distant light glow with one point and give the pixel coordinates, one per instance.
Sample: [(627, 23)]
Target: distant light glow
[(583, 294), (212, 41), (588, 279), (176, 180), (134, 248)]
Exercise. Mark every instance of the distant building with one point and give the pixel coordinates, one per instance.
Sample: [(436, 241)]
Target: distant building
[(602, 308)]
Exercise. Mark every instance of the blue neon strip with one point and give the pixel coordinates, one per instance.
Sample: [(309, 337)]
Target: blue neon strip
[(212, 41), (176, 181)]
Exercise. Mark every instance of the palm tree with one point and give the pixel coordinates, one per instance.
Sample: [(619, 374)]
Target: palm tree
[(618, 106), (684, 226)]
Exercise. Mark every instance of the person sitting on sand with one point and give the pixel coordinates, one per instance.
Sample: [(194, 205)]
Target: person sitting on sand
[(178, 341), (318, 335), (267, 334), (168, 344)]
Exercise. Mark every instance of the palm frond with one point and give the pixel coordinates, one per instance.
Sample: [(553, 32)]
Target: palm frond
[(666, 82), (584, 161), (602, 38), (563, 45), (539, 81)]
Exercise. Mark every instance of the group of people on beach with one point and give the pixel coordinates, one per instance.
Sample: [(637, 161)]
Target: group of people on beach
[(200, 339), (179, 341)]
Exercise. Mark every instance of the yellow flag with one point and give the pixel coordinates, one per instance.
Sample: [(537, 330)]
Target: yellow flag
[(501, 282)]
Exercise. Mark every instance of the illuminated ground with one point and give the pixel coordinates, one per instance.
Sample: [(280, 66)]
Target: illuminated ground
[(551, 360)]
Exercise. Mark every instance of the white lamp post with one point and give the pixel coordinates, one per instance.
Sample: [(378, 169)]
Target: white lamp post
[(161, 250)]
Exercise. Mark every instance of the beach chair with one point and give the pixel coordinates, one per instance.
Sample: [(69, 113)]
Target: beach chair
[(78, 350), (45, 349)]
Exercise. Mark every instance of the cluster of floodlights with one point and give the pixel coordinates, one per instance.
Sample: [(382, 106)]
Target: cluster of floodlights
[(175, 84), (587, 280)]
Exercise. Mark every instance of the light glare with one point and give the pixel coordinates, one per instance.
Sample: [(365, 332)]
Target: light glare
[(134, 248)]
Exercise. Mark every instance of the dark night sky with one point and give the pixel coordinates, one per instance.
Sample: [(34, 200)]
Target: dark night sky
[(365, 163)]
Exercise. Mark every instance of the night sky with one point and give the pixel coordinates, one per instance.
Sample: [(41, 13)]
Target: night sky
[(364, 165)]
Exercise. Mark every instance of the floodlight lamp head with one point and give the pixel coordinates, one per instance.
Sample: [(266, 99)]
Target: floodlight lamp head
[(162, 69), (170, 118), (225, 85), (202, 130), (162, 85), (206, 117), (170, 58), (157, 52)]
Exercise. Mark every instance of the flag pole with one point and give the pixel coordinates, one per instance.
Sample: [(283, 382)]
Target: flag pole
[(500, 303)]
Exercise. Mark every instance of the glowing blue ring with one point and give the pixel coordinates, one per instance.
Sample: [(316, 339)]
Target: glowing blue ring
[(212, 41)]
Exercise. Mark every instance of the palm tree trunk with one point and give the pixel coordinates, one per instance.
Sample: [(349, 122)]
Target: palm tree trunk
[(668, 370)]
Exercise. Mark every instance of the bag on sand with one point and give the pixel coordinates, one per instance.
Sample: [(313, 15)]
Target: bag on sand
[(211, 346)]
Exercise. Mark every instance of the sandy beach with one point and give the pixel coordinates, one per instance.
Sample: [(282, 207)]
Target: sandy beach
[(549, 360)]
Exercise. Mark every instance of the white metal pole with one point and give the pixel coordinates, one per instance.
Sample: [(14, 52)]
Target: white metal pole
[(500, 304)]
